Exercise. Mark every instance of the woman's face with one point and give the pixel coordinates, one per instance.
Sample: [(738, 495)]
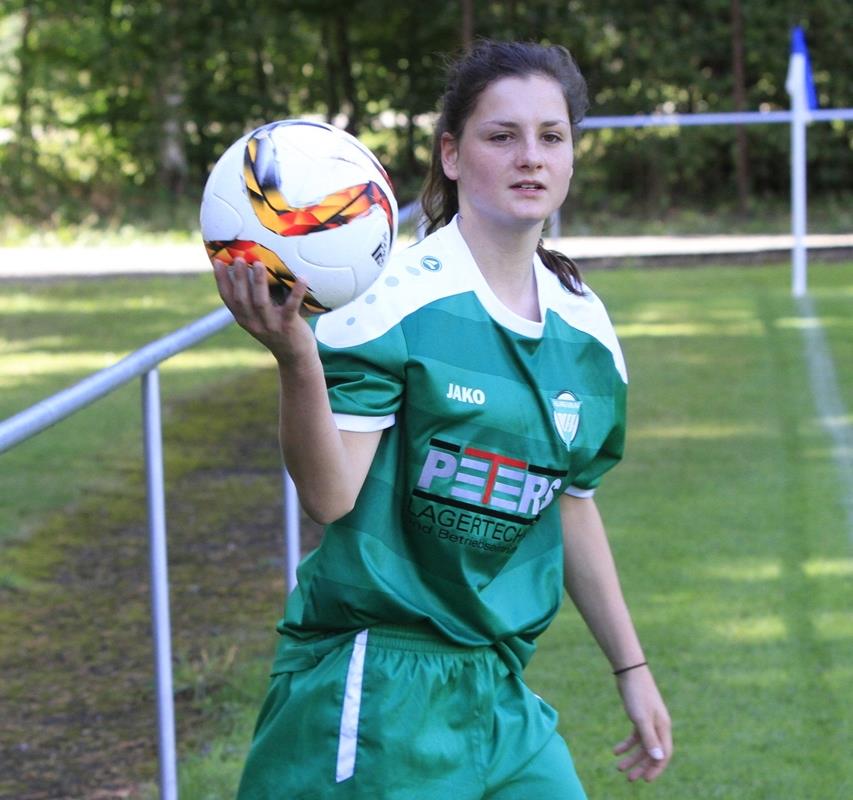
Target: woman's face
[(513, 161)]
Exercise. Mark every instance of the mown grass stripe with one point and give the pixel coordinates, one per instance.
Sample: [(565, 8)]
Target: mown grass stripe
[(831, 409)]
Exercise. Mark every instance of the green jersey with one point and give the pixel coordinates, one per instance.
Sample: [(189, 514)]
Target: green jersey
[(486, 418)]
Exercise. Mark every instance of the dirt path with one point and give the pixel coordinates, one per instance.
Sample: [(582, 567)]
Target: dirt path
[(77, 697), (590, 251)]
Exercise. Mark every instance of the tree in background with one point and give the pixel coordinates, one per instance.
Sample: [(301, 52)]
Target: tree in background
[(110, 110), (739, 97)]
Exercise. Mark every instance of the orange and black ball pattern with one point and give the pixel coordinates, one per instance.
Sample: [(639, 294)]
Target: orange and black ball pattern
[(260, 171), (278, 273)]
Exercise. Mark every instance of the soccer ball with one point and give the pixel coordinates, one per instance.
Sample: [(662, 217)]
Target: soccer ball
[(307, 200)]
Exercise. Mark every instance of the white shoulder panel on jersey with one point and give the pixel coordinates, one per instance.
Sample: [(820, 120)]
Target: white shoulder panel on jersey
[(421, 274), (585, 312)]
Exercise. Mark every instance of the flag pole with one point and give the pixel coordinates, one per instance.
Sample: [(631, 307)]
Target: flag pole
[(800, 87)]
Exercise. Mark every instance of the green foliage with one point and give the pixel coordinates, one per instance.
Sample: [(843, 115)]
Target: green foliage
[(110, 109)]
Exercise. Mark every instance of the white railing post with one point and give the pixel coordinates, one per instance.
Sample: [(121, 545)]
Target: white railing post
[(552, 227), (799, 259), (161, 626), (798, 84), (291, 530)]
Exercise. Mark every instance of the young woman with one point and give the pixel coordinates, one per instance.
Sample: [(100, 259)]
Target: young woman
[(450, 428)]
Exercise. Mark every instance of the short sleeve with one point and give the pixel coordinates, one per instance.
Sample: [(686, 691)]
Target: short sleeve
[(609, 454), (365, 381)]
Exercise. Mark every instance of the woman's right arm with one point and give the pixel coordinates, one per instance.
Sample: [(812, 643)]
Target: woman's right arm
[(328, 466)]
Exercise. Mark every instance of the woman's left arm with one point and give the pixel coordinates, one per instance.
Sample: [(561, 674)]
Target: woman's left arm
[(593, 584)]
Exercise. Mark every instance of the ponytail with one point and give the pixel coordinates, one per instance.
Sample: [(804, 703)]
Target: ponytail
[(563, 267)]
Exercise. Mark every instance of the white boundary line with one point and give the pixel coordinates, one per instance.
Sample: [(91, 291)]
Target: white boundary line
[(829, 404)]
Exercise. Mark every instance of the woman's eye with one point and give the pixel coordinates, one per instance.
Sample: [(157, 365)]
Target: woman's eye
[(553, 138), (500, 137)]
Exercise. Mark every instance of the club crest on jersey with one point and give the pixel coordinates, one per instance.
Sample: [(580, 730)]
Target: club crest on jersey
[(567, 416)]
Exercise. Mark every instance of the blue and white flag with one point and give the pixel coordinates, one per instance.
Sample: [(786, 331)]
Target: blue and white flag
[(799, 83)]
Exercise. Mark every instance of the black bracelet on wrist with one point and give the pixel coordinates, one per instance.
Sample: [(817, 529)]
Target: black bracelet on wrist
[(627, 669)]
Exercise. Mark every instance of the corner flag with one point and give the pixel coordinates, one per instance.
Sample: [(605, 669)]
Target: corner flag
[(799, 83)]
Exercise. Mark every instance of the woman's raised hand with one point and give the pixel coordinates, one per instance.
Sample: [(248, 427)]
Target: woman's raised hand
[(280, 328)]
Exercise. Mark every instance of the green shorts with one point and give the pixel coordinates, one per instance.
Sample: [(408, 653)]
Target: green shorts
[(402, 714)]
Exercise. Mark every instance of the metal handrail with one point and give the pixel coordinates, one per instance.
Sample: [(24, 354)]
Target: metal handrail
[(53, 409), (142, 363)]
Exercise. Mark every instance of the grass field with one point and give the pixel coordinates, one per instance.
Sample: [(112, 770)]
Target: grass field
[(53, 334), (726, 518)]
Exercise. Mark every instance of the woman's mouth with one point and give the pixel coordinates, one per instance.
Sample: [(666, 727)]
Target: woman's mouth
[(528, 186)]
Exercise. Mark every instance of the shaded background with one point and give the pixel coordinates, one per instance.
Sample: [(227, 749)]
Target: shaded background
[(112, 112)]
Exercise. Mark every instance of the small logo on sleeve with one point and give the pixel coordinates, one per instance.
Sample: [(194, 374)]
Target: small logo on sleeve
[(567, 416)]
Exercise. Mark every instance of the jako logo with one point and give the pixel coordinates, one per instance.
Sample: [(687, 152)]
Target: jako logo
[(465, 394)]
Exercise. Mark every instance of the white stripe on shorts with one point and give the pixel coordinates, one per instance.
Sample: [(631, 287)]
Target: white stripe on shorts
[(348, 738)]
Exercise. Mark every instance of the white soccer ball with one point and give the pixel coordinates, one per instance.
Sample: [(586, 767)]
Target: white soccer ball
[(307, 200)]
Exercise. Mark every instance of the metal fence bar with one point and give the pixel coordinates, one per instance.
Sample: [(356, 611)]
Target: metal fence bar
[(829, 114), (292, 541), (142, 363), (798, 117), (160, 621), (48, 412), (680, 120), (720, 118), (799, 257)]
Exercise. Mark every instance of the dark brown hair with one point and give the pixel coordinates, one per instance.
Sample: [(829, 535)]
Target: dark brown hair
[(467, 78)]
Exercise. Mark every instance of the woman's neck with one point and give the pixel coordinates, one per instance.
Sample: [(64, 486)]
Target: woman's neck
[(505, 259)]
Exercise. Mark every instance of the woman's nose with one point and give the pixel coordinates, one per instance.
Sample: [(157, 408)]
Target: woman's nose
[(529, 154)]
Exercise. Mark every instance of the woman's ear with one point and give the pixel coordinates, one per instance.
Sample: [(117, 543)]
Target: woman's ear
[(449, 156)]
